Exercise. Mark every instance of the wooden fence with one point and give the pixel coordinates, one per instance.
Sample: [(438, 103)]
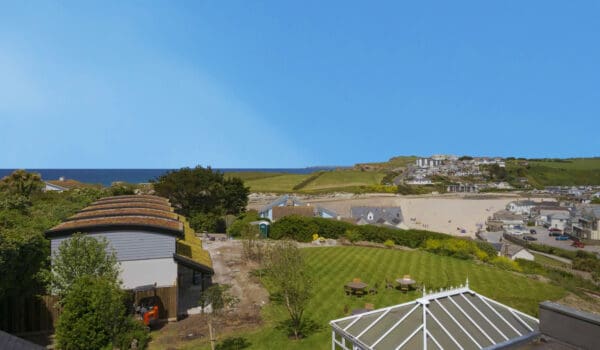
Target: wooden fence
[(29, 314), (20, 315)]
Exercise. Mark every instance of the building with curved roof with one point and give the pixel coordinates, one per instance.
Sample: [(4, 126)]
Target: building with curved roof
[(153, 244)]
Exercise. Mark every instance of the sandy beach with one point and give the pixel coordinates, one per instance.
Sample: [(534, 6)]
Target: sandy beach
[(450, 214)]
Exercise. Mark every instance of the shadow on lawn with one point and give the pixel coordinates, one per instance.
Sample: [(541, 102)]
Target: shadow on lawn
[(308, 327)]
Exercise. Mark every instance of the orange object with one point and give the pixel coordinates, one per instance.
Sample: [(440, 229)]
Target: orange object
[(151, 315)]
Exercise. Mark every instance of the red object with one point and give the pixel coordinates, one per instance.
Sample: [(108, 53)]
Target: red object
[(151, 315), (578, 244)]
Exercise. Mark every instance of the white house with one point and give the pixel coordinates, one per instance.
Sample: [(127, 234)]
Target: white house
[(52, 187), (521, 207), (153, 245), (559, 220)]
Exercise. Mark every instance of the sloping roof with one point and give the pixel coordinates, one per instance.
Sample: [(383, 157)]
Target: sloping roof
[(392, 215), (189, 250), (9, 341), (133, 198), (279, 212), (69, 184), (321, 211), (453, 319), (506, 215), (282, 201), (57, 187)]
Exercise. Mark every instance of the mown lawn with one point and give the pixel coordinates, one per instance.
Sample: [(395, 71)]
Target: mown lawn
[(334, 266)]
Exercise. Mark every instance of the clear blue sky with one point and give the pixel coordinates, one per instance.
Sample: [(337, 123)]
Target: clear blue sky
[(294, 83)]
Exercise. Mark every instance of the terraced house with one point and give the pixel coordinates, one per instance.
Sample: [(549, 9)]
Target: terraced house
[(154, 246)]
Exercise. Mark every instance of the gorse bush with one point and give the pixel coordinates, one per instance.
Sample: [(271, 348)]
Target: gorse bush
[(458, 248)]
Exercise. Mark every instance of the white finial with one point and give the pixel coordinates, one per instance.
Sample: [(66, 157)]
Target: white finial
[(467, 285), (424, 291)]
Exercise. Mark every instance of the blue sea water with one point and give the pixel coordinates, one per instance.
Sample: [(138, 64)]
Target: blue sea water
[(108, 176)]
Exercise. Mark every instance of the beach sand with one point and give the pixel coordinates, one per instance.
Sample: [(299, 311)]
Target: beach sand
[(444, 213)]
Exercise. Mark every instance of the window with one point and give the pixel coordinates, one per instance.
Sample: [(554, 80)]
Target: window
[(370, 216)]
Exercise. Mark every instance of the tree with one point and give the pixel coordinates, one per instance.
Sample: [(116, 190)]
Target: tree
[(94, 316), (23, 254), (81, 256), (22, 183), (219, 297), (202, 190), (289, 274)]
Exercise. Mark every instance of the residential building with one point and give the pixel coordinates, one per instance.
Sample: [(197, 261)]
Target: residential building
[(522, 207), (48, 186), (469, 188), (153, 245), (504, 220), (587, 225), (382, 216), (290, 205), (559, 220), (514, 251), (457, 318), (428, 162)]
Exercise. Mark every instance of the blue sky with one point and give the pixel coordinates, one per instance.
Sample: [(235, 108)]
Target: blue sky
[(141, 84)]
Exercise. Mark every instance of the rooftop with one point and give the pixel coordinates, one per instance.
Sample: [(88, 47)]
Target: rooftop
[(449, 319), (102, 223), (129, 204), (124, 212)]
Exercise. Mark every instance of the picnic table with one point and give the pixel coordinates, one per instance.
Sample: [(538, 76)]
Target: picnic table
[(405, 282), (356, 288)]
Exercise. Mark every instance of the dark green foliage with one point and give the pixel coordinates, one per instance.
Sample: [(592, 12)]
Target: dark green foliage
[(302, 228), (82, 256), (389, 177), (22, 183), (207, 222), (24, 251), (233, 343), (202, 190), (465, 158), (486, 247), (121, 189), (558, 277), (94, 316), (242, 221)]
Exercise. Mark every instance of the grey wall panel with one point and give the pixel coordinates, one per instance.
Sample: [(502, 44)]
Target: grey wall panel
[(133, 245)]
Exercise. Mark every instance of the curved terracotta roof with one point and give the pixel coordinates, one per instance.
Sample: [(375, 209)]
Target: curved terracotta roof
[(127, 200), (134, 198), (163, 207), (161, 225), (124, 212)]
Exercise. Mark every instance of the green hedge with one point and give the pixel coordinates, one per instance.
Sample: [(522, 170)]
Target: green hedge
[(302, 228)]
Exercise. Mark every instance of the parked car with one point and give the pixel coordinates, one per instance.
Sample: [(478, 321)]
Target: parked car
[(554, 229), (554, 233), (529, 238), (562, 238), (578, 244), (532, 231)]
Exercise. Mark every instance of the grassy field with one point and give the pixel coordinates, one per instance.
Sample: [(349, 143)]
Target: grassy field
[(344, 178), (575, 163), (564, 172), (337, 180), (544, 260), (334, 266)]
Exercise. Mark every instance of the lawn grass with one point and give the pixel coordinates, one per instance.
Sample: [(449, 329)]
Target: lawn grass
[(332, 267), (544, 260), (344, 178), (575, 163)]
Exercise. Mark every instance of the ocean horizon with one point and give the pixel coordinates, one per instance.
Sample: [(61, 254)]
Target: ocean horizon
[(107, 176)]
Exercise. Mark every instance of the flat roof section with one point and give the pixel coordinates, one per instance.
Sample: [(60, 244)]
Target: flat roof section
[(147, 223)]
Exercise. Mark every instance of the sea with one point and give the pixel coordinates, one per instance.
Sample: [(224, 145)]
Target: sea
[(107, 176)]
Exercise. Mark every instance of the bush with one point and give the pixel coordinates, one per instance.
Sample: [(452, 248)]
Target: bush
[(233, 343), (94, 316), (207, 222), (505, 263), (240, 224), (455, 247), (133, 330), (389, 243)]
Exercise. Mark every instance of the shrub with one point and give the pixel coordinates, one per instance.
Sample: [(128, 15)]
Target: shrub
[(133, 331), (242, 222), (94, 316), (233, 343), (455, 247), (207, 222), (505, 263), (352, 235), (389, 243)]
